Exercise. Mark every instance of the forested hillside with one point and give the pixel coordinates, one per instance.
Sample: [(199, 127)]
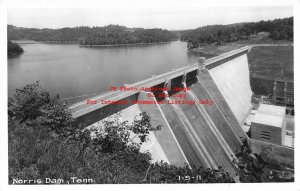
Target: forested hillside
[(122, 35), (108, 35), (279, 29), (63, 34)]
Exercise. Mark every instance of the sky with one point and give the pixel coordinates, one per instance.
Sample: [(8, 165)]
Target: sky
[(171, 15)]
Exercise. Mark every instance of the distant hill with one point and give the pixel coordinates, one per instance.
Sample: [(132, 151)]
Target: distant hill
[(107, 35), (278, 29)]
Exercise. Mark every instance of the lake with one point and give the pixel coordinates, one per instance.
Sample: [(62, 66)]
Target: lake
[(71, 71)]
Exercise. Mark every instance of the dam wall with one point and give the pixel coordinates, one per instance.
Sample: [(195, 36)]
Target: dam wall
[(220, 121), (165, 136), (221, 104), (206, 134), (233, 80), (281, 155), (204, 131)]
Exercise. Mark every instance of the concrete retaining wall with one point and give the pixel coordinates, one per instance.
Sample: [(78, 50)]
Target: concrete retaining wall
[(279, 154)]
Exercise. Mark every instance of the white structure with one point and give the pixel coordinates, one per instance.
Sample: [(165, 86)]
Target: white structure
[(269, 124)]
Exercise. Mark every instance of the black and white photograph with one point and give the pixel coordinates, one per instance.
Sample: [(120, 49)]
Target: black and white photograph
[(148, 93)]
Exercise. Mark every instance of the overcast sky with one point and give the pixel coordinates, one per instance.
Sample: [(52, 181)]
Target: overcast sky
[(155, 15)]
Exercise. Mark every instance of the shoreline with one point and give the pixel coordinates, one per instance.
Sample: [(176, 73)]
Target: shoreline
[(22, 42), (117, 45), (215, 50), (82, 45), (198, 51), (59, 42)]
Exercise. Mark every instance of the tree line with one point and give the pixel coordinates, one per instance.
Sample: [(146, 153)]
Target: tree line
[(107, 35), (121, 35), (279, 29)]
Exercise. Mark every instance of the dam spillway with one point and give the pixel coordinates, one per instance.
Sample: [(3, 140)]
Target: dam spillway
[(195, 134)]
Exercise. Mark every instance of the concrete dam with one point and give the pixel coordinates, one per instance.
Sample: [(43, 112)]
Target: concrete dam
[(200, 113)]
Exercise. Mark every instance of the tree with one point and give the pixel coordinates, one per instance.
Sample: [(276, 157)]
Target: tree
[(13, 49), (33, 106), (43, 144)]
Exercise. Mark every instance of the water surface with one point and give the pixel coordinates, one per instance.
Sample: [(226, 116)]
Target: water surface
[(70, 70)]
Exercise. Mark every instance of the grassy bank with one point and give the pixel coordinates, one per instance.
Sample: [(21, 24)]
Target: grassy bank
[(276, 62), (272, 62), (266, 63)]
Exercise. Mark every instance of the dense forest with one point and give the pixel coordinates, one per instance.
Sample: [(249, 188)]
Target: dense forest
[(63, 34), (13, 49), (122, 35), (44, 142), (107, 35), (279, 29)]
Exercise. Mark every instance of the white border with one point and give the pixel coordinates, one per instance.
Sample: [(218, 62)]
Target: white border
[(151, 3)]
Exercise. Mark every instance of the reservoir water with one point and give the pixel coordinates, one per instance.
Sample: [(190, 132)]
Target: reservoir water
[(71, 71)]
